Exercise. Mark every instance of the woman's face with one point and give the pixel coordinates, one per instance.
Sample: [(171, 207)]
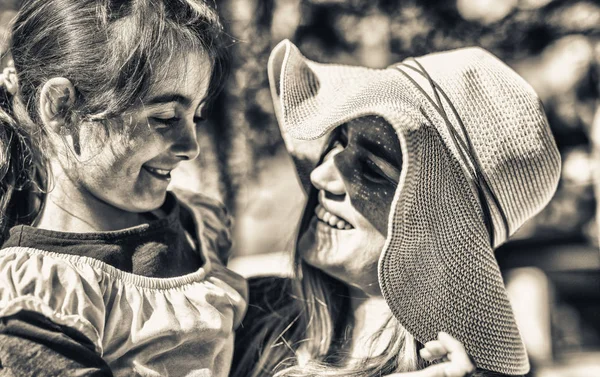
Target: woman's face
[(356, 183), (131, 170)]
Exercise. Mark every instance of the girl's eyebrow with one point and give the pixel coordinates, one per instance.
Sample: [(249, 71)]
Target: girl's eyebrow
[(172, 97)]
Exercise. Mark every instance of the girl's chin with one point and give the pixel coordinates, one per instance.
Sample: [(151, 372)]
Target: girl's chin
[(144, 202)]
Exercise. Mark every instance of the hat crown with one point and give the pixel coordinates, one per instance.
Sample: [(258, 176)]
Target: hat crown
[(502, 118)]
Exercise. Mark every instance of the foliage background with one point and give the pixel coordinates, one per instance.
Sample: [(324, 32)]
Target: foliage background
[(553, 44)]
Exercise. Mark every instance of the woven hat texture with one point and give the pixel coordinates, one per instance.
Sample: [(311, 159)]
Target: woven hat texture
[(437, 270)]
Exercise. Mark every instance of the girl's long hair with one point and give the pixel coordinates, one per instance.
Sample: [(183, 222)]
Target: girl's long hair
[(111, 50)]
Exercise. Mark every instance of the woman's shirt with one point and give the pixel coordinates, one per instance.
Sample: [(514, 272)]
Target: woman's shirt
[(152, 300)]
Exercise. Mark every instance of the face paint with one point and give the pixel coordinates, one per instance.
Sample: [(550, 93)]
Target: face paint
[(369, 165)]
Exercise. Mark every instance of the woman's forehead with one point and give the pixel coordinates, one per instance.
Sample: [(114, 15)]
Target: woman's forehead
[(374, 133)]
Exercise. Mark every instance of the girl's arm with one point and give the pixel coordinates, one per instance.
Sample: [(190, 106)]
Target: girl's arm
[(32, 345)]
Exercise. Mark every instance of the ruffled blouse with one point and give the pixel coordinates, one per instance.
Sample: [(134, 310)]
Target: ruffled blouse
[(139, 325)]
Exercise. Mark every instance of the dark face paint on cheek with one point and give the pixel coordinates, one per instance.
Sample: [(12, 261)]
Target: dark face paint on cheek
[(371, 188)]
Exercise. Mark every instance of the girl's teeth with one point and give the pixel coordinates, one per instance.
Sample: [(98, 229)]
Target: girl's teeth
[(326, 217), (348, 227), (159, 171), (341, 224)]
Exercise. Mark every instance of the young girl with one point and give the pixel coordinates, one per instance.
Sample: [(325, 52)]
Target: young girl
[(103, 272)]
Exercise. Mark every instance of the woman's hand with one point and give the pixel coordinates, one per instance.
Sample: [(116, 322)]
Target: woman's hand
[(456, 362)]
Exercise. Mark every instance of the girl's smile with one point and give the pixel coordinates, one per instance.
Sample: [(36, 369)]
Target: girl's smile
[(114, 177), (163, 174)]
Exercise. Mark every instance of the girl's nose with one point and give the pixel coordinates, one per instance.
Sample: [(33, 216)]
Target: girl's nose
[(327, 177), (186, 145)]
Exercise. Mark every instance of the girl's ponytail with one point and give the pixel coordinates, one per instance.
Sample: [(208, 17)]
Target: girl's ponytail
[(17, 162)]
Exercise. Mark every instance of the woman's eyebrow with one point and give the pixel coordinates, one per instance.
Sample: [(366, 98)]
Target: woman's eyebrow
[(380, 151), (386, 167)]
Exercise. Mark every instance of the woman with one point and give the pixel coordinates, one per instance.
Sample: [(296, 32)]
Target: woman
[(414, 175), (103, 272)]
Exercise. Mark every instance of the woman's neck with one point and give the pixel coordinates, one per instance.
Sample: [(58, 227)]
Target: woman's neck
[(371, 332), (71, 209)]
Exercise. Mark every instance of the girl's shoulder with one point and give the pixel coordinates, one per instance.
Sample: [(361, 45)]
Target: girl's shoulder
[(209, 222)]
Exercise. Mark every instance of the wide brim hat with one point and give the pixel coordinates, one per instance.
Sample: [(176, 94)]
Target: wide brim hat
[(476, 150)]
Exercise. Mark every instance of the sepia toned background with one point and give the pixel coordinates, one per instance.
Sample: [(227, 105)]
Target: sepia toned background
[(552, 266)]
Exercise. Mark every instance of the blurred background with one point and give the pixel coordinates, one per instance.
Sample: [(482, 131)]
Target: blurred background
[(551, 267)]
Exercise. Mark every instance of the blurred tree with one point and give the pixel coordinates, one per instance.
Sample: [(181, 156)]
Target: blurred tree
[(554, 44)]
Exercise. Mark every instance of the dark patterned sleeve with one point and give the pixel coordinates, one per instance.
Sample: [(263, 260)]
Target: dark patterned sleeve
[(271, 312), (32, 345)]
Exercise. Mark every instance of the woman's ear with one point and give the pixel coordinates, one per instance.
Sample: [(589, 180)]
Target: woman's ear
[(57, 97)]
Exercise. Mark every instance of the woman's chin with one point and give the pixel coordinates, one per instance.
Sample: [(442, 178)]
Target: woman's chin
[(319, 247)]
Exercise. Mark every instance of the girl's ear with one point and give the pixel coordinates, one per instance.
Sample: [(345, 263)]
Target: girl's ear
[(57, 97)]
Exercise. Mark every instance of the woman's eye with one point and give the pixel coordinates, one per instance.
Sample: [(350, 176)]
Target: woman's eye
[(373, 173)]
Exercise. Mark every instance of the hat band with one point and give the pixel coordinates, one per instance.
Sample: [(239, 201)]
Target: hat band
[(465, 147)]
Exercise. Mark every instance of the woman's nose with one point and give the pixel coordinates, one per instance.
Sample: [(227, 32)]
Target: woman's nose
[(327, 177), (186, 145)]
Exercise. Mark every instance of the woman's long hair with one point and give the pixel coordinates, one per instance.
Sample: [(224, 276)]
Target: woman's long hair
[(305, 337), (111, 50)]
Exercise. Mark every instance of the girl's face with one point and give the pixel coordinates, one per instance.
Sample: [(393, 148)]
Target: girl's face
[(356, 182), (131, 170)]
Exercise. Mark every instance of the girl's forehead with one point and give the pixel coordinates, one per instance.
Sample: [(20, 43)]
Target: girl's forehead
[(183, 78)]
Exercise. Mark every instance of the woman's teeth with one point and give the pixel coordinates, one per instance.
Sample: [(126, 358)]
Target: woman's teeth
[(331, 219)]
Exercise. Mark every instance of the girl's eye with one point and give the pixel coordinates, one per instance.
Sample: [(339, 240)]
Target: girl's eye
[(166, 122)]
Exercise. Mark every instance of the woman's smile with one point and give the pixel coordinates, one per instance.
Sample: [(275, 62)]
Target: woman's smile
[(332, 220)]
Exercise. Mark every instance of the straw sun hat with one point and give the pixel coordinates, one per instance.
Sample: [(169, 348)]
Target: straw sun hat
[(478, 161)]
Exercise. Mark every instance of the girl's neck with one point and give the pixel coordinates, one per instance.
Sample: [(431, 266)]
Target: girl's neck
[(371, 332), (71, 209)]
